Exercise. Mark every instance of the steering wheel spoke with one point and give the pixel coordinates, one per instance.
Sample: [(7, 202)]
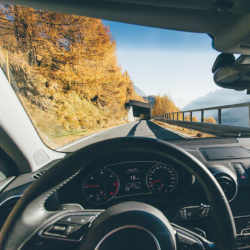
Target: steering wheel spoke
[(189, 240), (70, 227), (67, 228)]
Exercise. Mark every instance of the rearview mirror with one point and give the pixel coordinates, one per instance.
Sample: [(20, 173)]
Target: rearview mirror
[(232, 74)]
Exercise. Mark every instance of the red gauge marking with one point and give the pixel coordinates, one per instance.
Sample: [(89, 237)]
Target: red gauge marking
[(156, 181), (92, 186), (116, 184)]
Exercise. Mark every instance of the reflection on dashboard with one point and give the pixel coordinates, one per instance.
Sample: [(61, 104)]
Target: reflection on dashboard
[(127, 179)]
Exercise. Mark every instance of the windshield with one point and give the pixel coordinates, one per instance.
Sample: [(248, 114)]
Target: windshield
[(78, 77)]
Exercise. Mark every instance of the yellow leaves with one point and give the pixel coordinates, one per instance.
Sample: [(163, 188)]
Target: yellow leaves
[(188, 118), (210, 120), (163, 104), (67, 71)]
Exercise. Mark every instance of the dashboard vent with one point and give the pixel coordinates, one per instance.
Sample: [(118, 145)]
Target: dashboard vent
[(228, 185), (38, 175)]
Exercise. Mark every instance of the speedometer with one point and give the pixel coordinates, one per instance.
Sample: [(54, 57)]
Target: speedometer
[(162, 178), (101, 186)]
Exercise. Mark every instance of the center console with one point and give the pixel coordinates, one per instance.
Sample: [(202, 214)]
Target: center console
[(243, 231)]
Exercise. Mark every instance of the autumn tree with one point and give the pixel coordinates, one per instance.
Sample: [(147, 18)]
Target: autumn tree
[(162, 105), (210, 120), (188, 118), (65, 66)]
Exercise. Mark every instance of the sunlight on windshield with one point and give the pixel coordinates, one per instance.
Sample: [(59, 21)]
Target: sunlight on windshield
[(77, 76)]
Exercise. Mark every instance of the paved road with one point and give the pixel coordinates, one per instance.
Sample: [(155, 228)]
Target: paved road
[(139, 128)]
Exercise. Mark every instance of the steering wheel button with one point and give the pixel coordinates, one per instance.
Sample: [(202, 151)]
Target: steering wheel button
[(77, 219), (56, 230), (72, 228)]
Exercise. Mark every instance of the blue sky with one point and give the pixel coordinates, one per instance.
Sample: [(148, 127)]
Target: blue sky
[(165, 62)]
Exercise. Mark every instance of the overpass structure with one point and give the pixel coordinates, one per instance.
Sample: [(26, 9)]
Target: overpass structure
[(137, 109), (178, 118)]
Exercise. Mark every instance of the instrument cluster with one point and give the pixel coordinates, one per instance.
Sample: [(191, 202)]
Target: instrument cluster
[(129, 179)]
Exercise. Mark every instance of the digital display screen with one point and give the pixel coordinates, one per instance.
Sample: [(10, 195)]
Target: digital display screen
[(133, 181)]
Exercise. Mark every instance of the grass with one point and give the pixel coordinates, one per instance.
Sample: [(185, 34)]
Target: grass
[(58, 141)]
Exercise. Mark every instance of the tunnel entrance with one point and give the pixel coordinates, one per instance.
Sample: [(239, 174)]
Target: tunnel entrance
[(140, 110)]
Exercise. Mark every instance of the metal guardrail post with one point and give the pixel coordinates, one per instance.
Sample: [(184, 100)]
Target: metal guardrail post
[(202, 115), (183, 116), (177, 116), (248, 115), (219, 116), (191, 116)]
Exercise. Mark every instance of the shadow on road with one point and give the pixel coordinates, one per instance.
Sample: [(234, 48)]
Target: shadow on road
[(132, 130), (162, 133)]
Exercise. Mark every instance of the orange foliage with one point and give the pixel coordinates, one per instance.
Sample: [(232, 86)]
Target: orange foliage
[(210, 120), (65, 70), (163, 104), (188, 118)]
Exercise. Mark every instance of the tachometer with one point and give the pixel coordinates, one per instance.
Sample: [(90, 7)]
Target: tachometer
[(100, 186), (162, 178)]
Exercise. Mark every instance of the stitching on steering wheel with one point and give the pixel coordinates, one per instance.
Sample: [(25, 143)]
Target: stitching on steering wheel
[(58, 187)]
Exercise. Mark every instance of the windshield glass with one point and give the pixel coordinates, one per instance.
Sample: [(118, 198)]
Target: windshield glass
[(81, 77)]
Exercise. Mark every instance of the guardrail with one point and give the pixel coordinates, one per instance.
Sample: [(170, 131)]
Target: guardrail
[(176, 115), (209, 128), (216, 129)]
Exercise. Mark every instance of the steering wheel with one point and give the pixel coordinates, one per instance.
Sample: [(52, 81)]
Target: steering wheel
[(133, 225)]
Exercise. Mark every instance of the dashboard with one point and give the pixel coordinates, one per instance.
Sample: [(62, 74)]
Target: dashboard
[(162, 184), (154, 181)]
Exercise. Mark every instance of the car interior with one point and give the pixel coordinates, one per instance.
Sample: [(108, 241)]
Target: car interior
[(135, 192)]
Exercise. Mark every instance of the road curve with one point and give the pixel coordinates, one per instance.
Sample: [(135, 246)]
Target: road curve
[(142, 128)]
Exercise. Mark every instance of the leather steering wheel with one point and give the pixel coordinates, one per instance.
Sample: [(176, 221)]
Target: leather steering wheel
[(30, 217)]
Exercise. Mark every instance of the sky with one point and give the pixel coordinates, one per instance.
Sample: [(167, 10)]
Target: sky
[(163, 61)]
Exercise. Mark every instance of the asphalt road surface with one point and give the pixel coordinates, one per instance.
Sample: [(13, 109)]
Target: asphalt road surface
[(142, 128)]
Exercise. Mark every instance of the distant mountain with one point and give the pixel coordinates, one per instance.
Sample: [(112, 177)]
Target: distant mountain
[(139, 91), (235, 116)]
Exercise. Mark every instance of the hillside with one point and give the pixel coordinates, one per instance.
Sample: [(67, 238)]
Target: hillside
[(65, 71)]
